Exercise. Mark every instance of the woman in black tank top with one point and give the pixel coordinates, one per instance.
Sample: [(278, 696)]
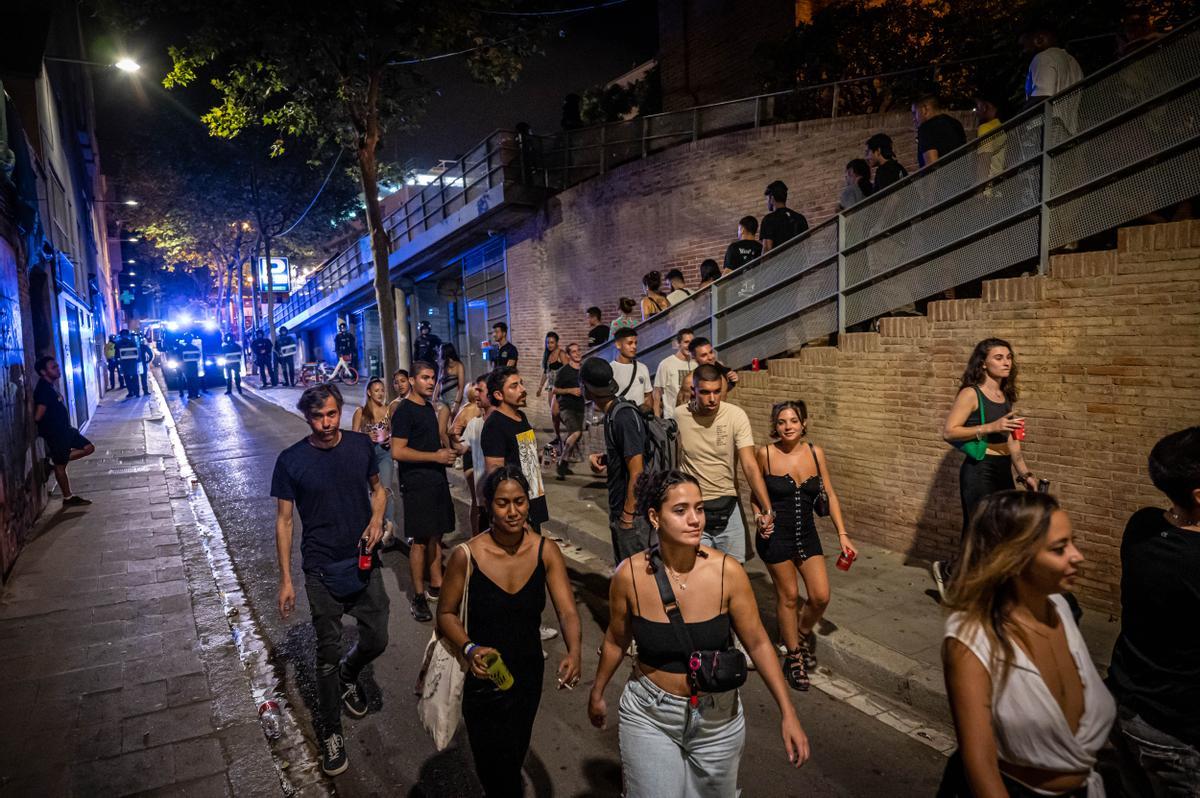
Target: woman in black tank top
[(989, 383), (554, 357), (659, 713), (510, 570)]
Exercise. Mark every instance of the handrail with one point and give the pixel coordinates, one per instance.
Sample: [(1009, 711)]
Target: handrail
[(984, 207)]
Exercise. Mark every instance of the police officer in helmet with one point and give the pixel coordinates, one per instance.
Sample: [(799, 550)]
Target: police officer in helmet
[(189, 356), (231, 350), (128, 356), (285, 356), (261, 347)]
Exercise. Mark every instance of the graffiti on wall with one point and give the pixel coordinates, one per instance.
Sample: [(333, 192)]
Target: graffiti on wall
[(17, 502)]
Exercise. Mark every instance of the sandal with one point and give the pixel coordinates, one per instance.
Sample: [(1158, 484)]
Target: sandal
[(805, 649), (794, 670)]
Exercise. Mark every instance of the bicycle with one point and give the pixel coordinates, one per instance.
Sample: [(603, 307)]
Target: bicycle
[(319, 372)]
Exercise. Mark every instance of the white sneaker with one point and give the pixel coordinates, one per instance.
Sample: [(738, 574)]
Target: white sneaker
[(547, 633)]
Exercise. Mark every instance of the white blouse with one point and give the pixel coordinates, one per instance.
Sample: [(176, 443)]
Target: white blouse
[(1028, 722)]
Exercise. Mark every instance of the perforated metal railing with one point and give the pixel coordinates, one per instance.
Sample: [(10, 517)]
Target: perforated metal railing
[(1117, 146), (494, 161)]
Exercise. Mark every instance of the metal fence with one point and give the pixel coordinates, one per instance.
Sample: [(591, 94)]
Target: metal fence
[(497, 160), (1120, 144)]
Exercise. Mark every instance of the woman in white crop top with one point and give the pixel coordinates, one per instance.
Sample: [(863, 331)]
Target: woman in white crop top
[(1029, 708)]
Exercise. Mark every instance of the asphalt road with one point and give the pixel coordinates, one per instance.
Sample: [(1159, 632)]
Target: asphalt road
[(232, 443)]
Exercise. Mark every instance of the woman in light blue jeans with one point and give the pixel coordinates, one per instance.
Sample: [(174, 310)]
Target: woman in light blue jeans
[(374, 419), (675, 740)]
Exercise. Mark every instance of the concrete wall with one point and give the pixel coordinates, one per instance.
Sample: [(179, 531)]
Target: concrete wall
[(1108, 347)]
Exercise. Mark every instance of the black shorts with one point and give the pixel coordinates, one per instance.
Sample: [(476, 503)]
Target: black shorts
[(468, 462), (428, 512), (60, 445)]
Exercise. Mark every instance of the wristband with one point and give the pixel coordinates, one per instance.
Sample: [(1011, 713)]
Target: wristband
[(468, 647)]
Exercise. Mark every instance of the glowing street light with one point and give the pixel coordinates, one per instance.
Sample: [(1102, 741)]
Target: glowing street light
[(127, 65)]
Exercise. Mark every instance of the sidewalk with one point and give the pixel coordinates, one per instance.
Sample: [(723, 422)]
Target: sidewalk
[(884, 625), (119, 666)]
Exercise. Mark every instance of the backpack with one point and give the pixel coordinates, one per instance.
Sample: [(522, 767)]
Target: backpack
[(661, 435)]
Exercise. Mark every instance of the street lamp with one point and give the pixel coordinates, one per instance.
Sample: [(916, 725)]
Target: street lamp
[(124, 64), (129, 202)]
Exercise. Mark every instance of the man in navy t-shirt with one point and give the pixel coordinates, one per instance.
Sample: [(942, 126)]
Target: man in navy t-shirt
[(331, 478), (63, 442)]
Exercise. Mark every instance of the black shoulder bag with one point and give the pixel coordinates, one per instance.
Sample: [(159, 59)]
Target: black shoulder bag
[(708, 671), (821, 503)]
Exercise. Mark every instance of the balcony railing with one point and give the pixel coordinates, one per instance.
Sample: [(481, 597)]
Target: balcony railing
[(1120, 144), (494, 162)]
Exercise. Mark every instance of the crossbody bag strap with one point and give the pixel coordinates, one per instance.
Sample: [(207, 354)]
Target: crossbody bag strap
[(632, 380), (462, 609), (817, 463), (671, 606)]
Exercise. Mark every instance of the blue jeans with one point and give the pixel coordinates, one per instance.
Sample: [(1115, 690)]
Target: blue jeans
[(731, 540), (671, 750), (1152, 762), (383, 459)]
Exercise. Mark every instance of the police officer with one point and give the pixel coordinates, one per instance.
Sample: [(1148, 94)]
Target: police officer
[(115, 379), (261, 348), (344, 343), (285, 356), (128, 357), (145, 358), (189, 356), (231, 350)]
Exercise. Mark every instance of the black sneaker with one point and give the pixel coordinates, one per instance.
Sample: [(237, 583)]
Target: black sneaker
[(333, 755), (76, 501), (352, 699), (563, 469), (433, 593), (420, 608)]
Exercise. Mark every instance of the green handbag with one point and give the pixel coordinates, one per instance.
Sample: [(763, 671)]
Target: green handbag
[(976, 449)]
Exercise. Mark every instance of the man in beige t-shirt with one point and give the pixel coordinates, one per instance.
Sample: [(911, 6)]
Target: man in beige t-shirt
[(713, 436)]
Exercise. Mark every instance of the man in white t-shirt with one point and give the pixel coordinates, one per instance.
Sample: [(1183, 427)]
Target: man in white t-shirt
[(633, 378), (1051, 71), (679, 290), (672, 372), (715, 439)]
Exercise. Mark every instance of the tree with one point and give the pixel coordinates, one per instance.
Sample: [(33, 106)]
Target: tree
[(205, 202), (348, 72)]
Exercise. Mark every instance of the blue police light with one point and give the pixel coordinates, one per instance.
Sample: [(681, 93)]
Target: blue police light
[(221, 362), (185, 319), (172, 363), (173, 326), (210, 325)]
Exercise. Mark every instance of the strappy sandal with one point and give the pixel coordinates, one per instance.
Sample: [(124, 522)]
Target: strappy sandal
[(795, 672), (806, 650)]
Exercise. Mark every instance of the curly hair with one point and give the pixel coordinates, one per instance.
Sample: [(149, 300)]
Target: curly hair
[(974, 373), (652, 488), (504, 473)]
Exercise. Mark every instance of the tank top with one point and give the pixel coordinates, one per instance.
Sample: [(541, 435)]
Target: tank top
[(449, 383), (659, 647), (378, 431), (1028, 724), (509, 622), (792, 503), (992, 411)]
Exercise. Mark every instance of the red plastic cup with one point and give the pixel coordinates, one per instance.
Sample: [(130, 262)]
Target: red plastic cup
[(1019, 433), (845, 560), (754, 365), (364, 556)]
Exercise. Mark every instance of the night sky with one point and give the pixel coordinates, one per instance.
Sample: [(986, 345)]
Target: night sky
[(593, 48)]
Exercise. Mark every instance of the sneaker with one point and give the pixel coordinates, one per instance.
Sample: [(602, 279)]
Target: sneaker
[(389, 534), (420, 608), (433, 593), (941, 575), (547, 633), (563, 470), (333, 755), (352, 699), (76, 501)]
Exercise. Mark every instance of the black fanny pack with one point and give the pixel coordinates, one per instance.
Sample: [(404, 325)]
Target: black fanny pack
[(343, 579), (714, 671), (717, 513)]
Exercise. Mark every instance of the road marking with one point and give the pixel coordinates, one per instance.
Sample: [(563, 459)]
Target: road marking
[(935, 735)]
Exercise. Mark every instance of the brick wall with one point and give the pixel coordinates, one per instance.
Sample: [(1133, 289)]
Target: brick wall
[(591, 244), (1108, 347)]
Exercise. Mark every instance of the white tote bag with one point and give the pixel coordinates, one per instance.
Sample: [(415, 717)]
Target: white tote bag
[(440, 682)]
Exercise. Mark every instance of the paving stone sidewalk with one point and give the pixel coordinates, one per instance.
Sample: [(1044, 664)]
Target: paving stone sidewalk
[(119, 668)]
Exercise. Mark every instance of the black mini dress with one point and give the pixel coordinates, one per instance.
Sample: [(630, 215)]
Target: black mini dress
[(795, 535)]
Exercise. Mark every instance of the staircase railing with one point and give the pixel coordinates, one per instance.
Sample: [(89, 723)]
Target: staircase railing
[(1118, 145)]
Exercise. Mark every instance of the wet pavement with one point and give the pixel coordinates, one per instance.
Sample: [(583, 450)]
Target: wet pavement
[(232, 443)]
